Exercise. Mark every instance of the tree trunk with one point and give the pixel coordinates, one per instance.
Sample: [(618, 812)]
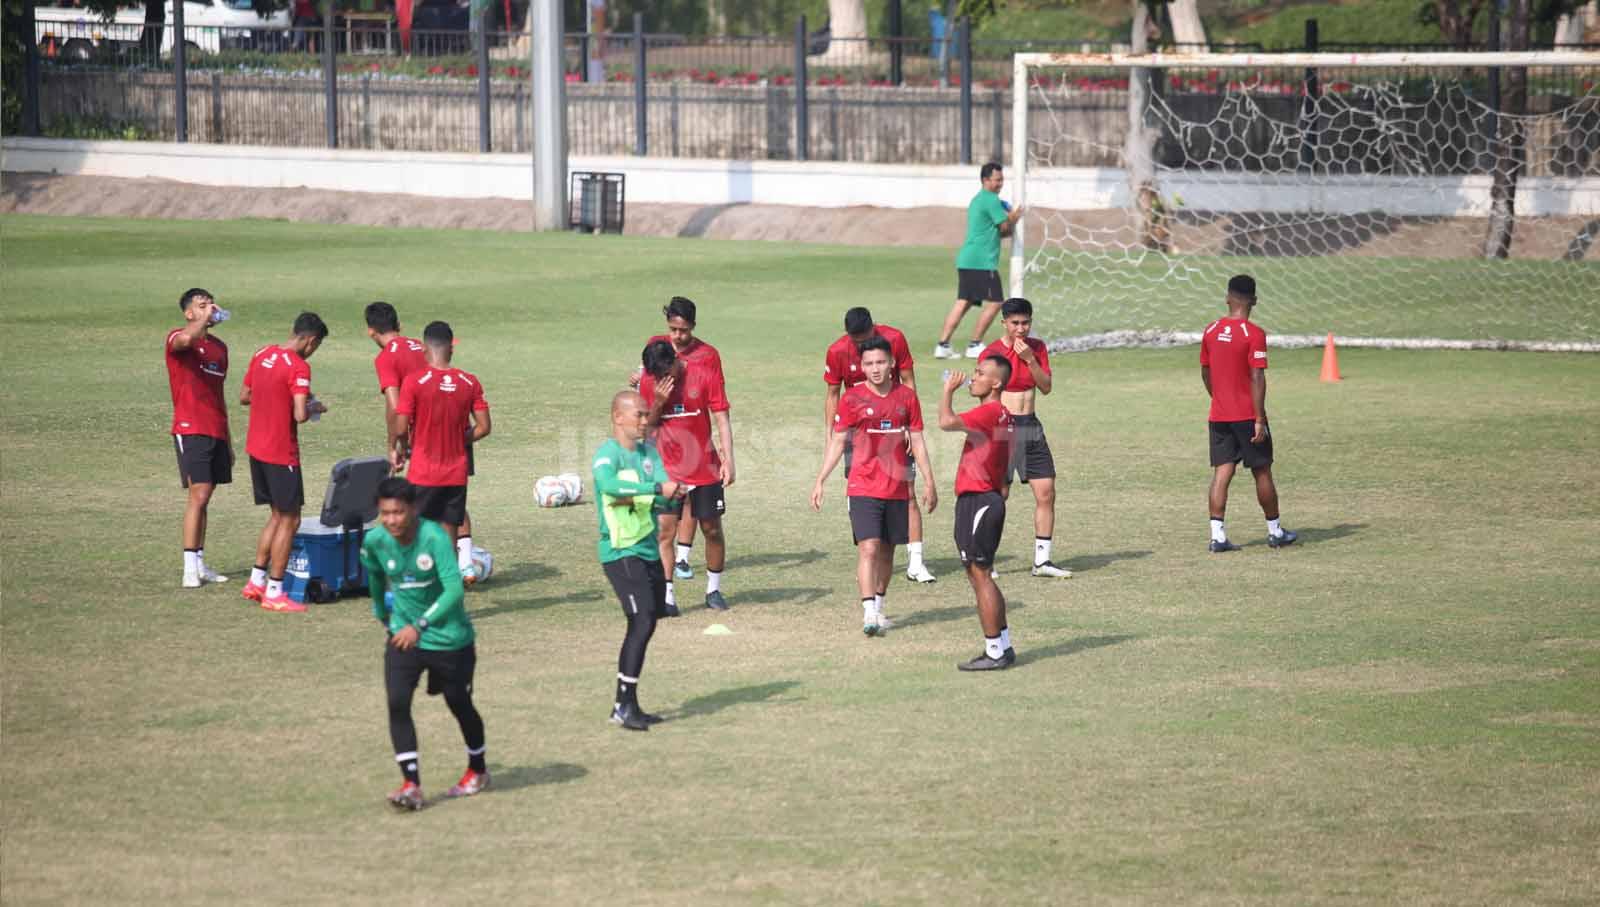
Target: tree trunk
[(1456, 19), (847, 19), (1141, 142), (1510, 141), (155, 20), (1187, 29)]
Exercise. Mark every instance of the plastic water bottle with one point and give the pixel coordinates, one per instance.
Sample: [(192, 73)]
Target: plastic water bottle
[(946, 377), (220, 314)]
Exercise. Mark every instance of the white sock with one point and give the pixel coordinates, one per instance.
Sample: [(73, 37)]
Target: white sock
[(191, 563), (914, 553), (1273, 528), (1005, 639), (992, 647), (274, 588), (682, 550), (1218, 534), (464, 551), (200, 558), (869, 609), (670, 599), (877, 601), (258, 576), (713, 581), (1041, 551)]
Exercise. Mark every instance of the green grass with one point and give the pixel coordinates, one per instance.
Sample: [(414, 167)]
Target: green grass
[(1402, 709)]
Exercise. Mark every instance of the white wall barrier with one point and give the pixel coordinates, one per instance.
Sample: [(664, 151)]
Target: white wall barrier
[(817, 184)]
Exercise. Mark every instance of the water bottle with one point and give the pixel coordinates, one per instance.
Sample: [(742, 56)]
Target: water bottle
[(316, 415), (944, 378), (220, 314)]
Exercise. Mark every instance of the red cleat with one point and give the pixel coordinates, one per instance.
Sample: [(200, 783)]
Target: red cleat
[(254, 592), (471, 783), (406, 796), (282, 603)]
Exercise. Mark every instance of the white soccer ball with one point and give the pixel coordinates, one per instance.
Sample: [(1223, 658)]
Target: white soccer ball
[(482, 563), (573, 483), (549, 491)]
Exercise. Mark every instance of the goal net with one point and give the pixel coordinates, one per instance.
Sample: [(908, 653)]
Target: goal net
[(1436, 199)]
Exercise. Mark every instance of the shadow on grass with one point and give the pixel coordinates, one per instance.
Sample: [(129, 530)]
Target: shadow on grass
[(952, 566), (799, 595), (1083, 563), (532, 604), (712, 703), (1313, 535), (513, 777), (941, 615), (1070, 647), (776, 559), (522, 573)]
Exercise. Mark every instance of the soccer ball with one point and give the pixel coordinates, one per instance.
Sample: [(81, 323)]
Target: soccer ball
[(482, 563), (550, 491), (573, 483)]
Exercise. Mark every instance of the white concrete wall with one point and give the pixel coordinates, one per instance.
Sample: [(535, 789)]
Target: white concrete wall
[(816, 184)]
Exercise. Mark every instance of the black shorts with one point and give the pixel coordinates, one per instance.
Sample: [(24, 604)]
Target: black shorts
[(704, 502), (879, 518), (442, 503), (639, 584), (849, 454), (980, 519), (449, 670), (1230, 443), (203, 460), (976, 286), (1030, 452), (279, 486)]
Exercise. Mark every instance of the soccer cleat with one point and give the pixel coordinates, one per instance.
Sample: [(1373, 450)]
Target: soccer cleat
[(943, 351), (208, 575), (1279, 541), (191, 581), (471, 783), (974, 350), (672, 610), (406, 796), (1049, 569), (282, 604), (985, 663), (682, 570), (1224, 545), (870, 625), (716, 602), (920, 574), (469, 575), (253, 591), (646, 716), (629, 718)]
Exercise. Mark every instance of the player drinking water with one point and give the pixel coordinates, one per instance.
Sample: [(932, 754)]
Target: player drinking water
[(197, 368)]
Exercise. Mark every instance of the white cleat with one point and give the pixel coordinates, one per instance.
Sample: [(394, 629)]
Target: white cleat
[(191, 581), (1049, 569), (920, 574), (943, 351), (994, 574), (975, 350), (208, 575)]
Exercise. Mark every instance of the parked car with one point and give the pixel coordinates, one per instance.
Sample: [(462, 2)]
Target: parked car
[(73, 33)]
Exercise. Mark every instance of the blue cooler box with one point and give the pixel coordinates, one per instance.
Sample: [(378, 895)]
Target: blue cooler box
[(325, 563)]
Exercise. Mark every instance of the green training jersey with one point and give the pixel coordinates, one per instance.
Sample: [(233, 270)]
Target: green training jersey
[(626, 482), (981, 251), (426, 583)]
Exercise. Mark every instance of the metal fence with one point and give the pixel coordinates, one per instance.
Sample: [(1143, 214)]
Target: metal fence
[(361, 84)]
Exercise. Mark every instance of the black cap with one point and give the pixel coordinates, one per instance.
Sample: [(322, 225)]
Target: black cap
[(1242, 285)]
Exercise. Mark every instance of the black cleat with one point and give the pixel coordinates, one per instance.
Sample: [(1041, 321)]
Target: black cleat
[(672, 610), (1279, 541), (629, 717), (1219, 547), (985, 663), (716, 602)]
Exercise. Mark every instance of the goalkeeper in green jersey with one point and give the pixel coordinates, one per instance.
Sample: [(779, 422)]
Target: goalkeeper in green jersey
[(428, 631), (632, 487)]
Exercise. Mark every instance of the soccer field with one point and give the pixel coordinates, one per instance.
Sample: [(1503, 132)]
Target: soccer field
[(1403, 708)]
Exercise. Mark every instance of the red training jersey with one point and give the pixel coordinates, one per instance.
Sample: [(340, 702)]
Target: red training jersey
[(986, 455), (684, 435), (1231, 347), (275, 377), (196, 376), (1021, 375), (879, 467), (842, 363), (397, 360), (439, 401)]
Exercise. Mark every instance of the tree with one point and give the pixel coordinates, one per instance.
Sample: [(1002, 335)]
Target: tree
[(847, 19), (1455, 18)]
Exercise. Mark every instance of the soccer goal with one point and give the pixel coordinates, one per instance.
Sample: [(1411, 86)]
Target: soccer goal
[(1411, 199)]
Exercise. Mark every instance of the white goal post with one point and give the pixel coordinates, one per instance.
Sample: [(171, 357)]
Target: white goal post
[(1436, 200)]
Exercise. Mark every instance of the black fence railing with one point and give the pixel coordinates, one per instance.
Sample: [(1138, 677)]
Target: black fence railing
[(361, 83)]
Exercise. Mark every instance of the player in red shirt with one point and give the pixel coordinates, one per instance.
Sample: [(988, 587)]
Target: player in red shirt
[(980, 502), (707, 503), (880, 417), (197, 368), (1031, 458), (1233, 367), (398, 357), (277, 388), (841, 370), (443, 411)]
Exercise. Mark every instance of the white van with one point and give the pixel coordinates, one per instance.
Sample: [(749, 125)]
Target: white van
[(73, 33)]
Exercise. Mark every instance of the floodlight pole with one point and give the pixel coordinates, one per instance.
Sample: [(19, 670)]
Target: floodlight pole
[(549, 117)]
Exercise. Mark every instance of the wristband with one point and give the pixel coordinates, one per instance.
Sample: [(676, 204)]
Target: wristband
[(422, 624)]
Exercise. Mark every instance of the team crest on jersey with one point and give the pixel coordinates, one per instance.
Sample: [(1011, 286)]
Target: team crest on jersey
[(648, 467), (694, 393), (391, 564), (424, 561), (869, 410)]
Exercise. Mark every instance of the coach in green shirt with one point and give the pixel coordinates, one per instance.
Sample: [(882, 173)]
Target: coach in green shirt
[(978, 262)]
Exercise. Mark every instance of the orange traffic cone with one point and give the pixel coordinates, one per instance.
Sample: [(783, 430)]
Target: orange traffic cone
[(1330, 361)]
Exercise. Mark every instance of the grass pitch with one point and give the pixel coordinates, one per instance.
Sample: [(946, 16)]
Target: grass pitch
[(1403, 708)]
